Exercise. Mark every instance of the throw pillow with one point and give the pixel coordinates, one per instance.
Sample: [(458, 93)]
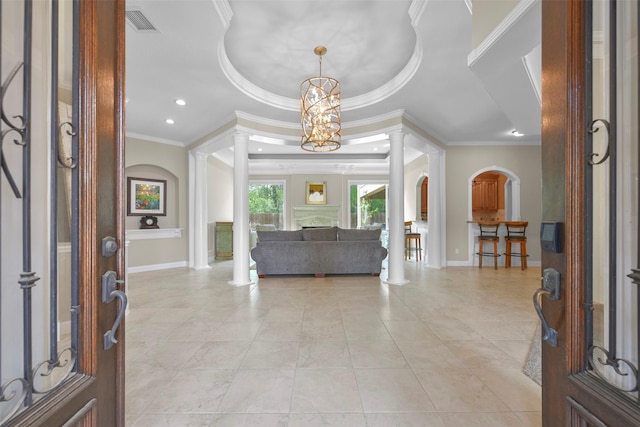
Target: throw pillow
[(322, 234), (279, 236), (355, 234)]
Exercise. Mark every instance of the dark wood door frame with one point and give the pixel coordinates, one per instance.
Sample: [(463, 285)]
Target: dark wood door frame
[(95, 397), (571, 396)]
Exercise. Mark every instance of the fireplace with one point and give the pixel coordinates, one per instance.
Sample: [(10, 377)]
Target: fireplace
[(308, 216)]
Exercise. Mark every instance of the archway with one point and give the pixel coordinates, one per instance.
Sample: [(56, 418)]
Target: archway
[(509, 184), (422, 198)]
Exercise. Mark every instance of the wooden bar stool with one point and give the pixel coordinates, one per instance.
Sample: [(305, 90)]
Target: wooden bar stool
[(488, 234), (409, 237), (516, 233)]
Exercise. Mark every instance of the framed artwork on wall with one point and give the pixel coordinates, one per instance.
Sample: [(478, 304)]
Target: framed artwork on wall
[(316, 193), (146, 197)]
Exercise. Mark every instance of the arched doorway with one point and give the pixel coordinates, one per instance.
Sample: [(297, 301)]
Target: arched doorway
[(422, 198), (493, 194)]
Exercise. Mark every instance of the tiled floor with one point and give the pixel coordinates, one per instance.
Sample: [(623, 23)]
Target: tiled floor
[(445, 350)]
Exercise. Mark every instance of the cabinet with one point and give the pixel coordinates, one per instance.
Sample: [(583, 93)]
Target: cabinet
[(484, 194), (224, 240)]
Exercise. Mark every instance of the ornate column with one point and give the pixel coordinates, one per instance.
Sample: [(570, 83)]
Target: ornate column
[(240, 211), (198, 203), (396, 210), (436, 222)]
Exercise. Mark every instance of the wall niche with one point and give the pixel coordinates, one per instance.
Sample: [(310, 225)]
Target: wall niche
[(171, 219)]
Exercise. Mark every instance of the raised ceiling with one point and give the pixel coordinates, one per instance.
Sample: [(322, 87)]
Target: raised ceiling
[(230, 58)]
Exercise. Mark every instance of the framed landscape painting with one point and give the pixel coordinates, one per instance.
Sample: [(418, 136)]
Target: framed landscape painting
[(146, 196), (316, 193)]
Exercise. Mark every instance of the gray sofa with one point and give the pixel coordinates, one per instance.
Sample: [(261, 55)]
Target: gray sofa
[(318, 251)]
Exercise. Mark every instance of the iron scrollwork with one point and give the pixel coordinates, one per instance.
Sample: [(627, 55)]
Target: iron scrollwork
[(68, 162), (12, 128), (615, 364), (593, 129)]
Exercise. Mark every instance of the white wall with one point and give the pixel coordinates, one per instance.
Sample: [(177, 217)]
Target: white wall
[(166, 162), (463, 162), (219, 198), (413, 172)]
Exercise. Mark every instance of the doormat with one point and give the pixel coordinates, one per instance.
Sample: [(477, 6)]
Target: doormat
[(533, 364)]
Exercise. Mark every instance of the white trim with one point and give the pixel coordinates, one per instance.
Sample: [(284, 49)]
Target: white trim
[(500, 30), (293, 104), (155, 139), (154, 267), (513, 209), (458, 263), (64, 328), (224, 11), (519, 142), (153, 233)]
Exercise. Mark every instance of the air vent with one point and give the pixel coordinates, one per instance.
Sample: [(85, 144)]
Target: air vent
[(140, 22)]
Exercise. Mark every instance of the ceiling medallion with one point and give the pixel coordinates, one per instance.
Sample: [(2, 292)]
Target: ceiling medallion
[(320, 107)]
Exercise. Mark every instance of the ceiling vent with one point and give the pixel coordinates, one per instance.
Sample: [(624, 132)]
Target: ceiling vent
[(140, 22)]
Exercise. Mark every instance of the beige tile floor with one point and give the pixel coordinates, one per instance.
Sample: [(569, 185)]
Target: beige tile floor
[(445, 350)]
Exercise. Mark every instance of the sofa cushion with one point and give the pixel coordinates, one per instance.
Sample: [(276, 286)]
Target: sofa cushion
[(322, 234), (355, 234), (279, 236)]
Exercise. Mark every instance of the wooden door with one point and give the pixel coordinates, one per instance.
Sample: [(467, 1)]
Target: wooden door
[(491, 195), (589, 181), (63, 177)]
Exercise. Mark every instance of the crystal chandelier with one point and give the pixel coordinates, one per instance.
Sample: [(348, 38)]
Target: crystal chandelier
[(320, 105)]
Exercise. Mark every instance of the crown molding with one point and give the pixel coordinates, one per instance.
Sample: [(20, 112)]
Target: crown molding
[(155, 139)]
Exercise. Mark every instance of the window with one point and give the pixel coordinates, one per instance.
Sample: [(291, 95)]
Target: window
[(368, 205), (266, 205)]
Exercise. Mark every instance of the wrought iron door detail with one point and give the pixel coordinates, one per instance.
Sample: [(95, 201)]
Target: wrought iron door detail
[(17, 146), (606, 353)]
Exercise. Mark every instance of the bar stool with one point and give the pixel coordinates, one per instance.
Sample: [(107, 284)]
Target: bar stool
[(410, 236), (516, 233), (488, 234)]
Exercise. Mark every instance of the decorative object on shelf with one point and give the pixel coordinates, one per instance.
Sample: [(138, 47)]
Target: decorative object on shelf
[(149, 221), (146, 196), (320, 105), (316, 193)]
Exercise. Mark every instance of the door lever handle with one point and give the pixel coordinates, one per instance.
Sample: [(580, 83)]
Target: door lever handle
[(551, 288), (110, 291), (550, 334)]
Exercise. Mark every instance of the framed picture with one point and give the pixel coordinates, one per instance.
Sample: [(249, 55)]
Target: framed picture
[(316, 193), (146, 196)]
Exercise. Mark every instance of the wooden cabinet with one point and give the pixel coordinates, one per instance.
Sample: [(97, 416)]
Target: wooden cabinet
[(224, 240), (484, 195)]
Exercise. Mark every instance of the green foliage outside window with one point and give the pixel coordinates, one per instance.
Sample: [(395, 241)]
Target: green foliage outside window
[(266, 198)]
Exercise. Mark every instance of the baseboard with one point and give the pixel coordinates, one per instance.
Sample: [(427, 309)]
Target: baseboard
[(153, 267), (459, 264), (465, 263)]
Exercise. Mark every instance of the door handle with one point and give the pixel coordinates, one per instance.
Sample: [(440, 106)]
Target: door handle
[(551, 288), (110, 291)]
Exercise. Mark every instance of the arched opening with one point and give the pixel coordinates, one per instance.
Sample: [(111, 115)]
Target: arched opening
[(422, 198), (494, 195), (488, 196)]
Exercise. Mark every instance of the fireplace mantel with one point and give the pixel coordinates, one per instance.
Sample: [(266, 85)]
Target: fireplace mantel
[(316, 216)]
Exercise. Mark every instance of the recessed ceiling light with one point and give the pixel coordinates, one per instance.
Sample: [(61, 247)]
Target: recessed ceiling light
[(169, 121), (375, 148), (259, 149), (516, 133), (181, 102)]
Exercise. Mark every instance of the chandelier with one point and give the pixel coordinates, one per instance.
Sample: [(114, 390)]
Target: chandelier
[(320, 106)]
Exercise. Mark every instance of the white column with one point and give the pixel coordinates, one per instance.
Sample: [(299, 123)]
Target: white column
[(515, 200), (240, 211), (436, 210), (396, 210), (200, 258)]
